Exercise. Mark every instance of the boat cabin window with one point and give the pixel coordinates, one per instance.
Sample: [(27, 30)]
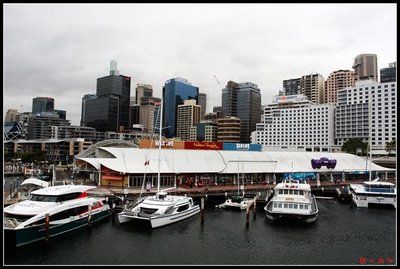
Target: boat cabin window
[(275, 205), (182, 208), (301, 192), (285, 205), (68, 213), (305, 206), (300, 206), (53, 198), (290, 205), (279, 205), (295, 206), (20, 218), (286, 191), (280, 191), (161, 196), (43, 198)]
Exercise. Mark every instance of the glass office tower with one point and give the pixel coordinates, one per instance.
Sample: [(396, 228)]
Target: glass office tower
[(175, 92)]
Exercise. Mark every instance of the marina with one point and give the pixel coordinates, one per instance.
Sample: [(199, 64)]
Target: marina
[(343, 234)]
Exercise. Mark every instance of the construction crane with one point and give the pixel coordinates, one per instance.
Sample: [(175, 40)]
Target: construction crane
[(216, 79)]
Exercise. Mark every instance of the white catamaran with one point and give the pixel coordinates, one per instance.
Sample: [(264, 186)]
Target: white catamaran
[(161, 209)]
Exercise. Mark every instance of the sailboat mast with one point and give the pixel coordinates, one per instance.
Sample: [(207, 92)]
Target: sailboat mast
[(159, 147), (370, 135)]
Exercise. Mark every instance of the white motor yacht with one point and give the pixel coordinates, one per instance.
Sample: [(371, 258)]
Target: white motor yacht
[(292, 199), (373, 193), (52, 211)]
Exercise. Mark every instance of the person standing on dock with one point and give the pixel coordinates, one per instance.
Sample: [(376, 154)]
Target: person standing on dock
[(148, 186)]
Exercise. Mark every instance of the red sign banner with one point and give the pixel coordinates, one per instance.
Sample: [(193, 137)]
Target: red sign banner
[(203, 145)]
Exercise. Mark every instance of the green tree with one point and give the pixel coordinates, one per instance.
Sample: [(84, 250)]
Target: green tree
[(391, 146), (353, 144)]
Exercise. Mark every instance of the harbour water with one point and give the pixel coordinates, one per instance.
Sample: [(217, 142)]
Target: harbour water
[(342, 234)]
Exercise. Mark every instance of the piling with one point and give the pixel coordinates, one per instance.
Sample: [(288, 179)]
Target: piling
[(202, 211), (247, 217), (254, 207), (89, 215), (113, 211), (46, 227)]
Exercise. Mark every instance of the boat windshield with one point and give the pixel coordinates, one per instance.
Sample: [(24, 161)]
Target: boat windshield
[(43, 198)]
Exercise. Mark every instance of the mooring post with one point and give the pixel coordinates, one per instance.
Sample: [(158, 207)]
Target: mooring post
[(247, 217), (46, 227), (89, 215), (254, 207), (202, 211)]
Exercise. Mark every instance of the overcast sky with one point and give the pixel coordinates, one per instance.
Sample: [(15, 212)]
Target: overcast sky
[(59, 50)]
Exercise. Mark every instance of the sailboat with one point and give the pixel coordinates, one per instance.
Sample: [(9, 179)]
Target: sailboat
[(160, 209), (238, 201), (373, 192)]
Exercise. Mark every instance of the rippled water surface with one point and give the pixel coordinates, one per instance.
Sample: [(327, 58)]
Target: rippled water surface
[(342, 234)]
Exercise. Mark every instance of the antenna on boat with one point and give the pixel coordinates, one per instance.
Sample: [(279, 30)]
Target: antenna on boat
[(159, 147)]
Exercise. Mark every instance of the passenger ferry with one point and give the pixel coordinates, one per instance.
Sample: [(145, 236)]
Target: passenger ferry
[(292, 199), (52, 211), (373, 193)]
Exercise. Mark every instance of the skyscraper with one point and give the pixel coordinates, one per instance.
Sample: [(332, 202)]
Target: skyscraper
[(292, 86), (338, 80), (109, 111), (388, 74), (40, 104), (242, 100), (143, 91), (188, 115), (366, 66), (312, 86), (146, 114), (203, 103), (175, 92)]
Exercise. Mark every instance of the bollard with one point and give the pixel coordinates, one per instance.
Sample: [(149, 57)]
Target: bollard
[(247, 217), (46, 227), (89, 215), (254, 207), (202, 211)]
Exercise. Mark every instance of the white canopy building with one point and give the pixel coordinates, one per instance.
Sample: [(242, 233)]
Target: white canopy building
[(127, 166)]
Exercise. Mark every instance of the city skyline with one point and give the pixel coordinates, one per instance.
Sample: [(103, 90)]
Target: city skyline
[(59, 51)]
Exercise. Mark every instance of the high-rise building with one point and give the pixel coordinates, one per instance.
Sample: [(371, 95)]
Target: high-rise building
[(353, 114), (83, 111), (366, 66), (12, 115), (242, 100), (40, 104), (109, 111), (134, 114), (291, 86), (203, 103), (295, 123), (228, 129), (38, 123), (312, 86), (143, 91), (146, 114), (218, 111), (188, 115), (388, 74), (204, 131), (175, 92), (338, 80)]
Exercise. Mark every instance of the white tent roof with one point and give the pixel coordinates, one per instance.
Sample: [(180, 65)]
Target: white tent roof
[(35, 181), (132, 160)]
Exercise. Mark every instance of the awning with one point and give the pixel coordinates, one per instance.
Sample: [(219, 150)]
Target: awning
[(109, 177), (35, 181)]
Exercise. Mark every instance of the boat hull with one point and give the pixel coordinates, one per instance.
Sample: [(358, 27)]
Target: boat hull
[(159, 221), (25, 236), (280, 216), (373, 201)]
